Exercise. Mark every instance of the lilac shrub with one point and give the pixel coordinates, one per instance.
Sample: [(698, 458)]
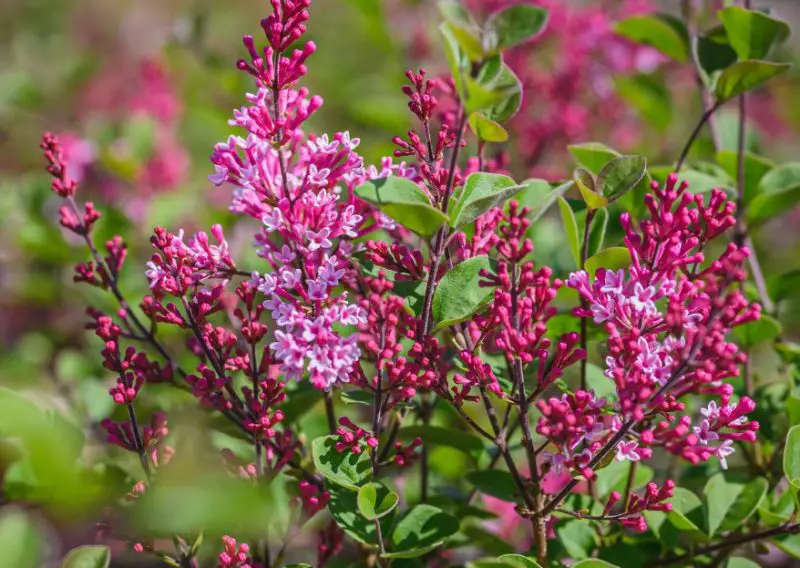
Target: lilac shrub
[(404, 298)]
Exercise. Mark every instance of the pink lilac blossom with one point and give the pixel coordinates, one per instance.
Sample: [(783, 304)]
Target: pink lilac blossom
[(293, 184), (234, 555), (667, 318)]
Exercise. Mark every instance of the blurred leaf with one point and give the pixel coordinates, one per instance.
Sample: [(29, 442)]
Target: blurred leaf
[(459, 294), (745, 503), (739, 562), (620, 175), (437, 435), (514, 25), (87, 557), (363, 397), (728, 505), (578, 539), (464, 28), (769, 205), (482, 191), (519, 561), (375, 501), (405, 202), (20, 543), (752, 333), (486, 129), (593, 563), (745, 76), (755, 169), (421, 530), (658, 31), (687, 513), (751, 33), (785, 177), (791, 455), (343, 468), (592, 155), (649, 97), (539, 196), (495, 482), (703, 181), (613, 258), (570, 225), (583, 179)]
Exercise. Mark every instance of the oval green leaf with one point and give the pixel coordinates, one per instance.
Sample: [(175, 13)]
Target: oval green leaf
[(620, 175), (486, 129), (459, 294), (405, 202), (87, 557), (481, 192), (343, 468), (375, 501), (422, 529)]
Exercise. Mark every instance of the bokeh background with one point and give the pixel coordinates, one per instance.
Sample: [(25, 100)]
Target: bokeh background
[(141, 90)]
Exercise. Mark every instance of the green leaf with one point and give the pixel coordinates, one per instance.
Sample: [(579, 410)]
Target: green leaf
[(712, 56), (413, 294), (343, 507), (578, 538), (509, 90), (769, 205), (613, 258), (519, 561), (436, 435), (687, 513), (87, 557), (486, 129), (745, 504), (620, 175), (495, 482), (513, 26), (375, 501), (405, 202), (755, 169), (422, 529), (20, 543), (457, 60), (648, 96), (482, 191), (362, 397), (539, 196), (751, 33), (791, 455), (745, 76), (597, 235), (594, 563), (459, 294), (592, 155), (466, 31), (479, 97), (343, 468), (570, 229), (763, 329), (657, 32), (704, 180), (585, 182), (785, 286), (785, 177)]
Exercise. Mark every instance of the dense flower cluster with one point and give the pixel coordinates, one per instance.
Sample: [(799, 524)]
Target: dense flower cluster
[(668, 317)]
